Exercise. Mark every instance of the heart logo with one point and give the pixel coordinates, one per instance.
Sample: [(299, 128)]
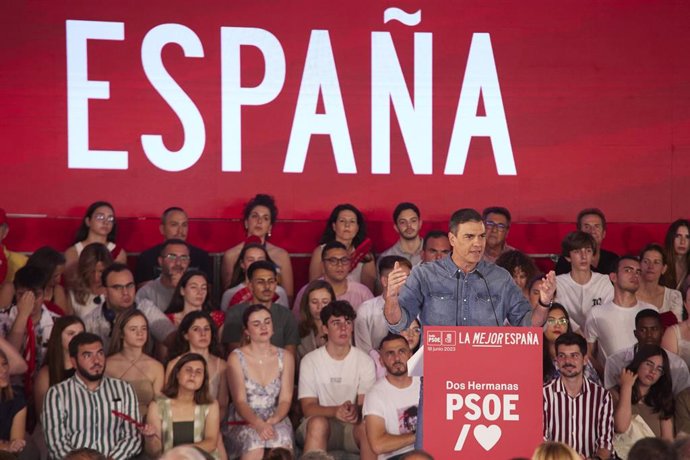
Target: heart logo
[(487, 436)]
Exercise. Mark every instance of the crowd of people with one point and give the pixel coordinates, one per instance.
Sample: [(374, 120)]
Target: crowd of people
[(136, 362)]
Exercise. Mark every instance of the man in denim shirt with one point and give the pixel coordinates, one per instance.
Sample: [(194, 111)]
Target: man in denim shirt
[(462, 289)]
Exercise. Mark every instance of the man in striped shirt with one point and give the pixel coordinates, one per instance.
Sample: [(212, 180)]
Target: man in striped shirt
[(577, 412), (81, 411)]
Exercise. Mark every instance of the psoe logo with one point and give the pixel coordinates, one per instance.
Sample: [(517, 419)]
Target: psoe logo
[(449, 338), (434, 338)]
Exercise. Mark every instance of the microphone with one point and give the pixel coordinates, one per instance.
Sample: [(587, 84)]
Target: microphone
[(97, 300), (493, 307)]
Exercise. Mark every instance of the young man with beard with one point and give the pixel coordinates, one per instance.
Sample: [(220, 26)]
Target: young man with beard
[(407, 222), (577, 412), (390, 407), (174, 260), (82, 410)]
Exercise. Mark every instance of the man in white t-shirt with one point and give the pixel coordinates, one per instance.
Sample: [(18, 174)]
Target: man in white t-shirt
[(609, 327), (581, 289), (370, 324), (333, 380), (390, 407)]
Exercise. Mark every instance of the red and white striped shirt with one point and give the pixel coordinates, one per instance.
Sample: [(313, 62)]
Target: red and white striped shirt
[(584, 422)]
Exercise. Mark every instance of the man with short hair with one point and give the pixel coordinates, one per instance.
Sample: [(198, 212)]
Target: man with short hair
[(577, 412), (407, 222), (174, 225), (581, 289), (609, 327), (27, 324), (648, 331), (592, 221), (390, 407), (436, 246), (336, 262), (370, 325), (333, 380), (119, 297), (263, 280), (174, 260), (90, 409), (461, 289), (10, 261), (497, 222)]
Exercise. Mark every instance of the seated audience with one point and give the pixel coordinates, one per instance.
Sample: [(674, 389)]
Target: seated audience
[(593, 222), (520, 266), (174, 261), (86, 290), (260, 214), (577, 411), (436, 246), (558, 323), (191, 295), (653, 264), (97, 226), (239, 292), (52, 263), (317, 295), (333, 380), (261, 378), (174, 225), (335, 265), (57, 365), (370, 324), (346, 226), (198, 334), (648, 330), (28, 324), (407, 222), (497, 223), (676, 245), (129, 357), (262, 282), (120, 289), (90, 409), (12, 415), (185, 414), (610, 327), (676, 338), (644, 400), (581, 289), (390, 406)]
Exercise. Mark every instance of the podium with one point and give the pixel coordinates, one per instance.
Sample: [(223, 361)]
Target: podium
[(482, 392)]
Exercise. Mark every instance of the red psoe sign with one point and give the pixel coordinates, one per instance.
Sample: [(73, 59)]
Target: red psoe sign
[(482, 392)]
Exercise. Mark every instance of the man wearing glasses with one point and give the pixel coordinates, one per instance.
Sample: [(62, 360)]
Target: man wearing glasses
[(119, 296), (497, 223), (174, 261)]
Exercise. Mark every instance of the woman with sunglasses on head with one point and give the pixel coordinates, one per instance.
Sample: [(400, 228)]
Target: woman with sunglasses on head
[(261, 380), (86, 291), (129, 360), (643, 402), (260, 214), (346, 225), (186, 414), (558, 323), (97, 226)]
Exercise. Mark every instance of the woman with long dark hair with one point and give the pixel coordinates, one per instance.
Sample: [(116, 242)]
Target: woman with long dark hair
[(645, 391), (86, 291), (260, 214), (654, 265), (677, 249), (97, 226), (191, 294), (317, 295), (186, 414), (558, 323), (346, 225)]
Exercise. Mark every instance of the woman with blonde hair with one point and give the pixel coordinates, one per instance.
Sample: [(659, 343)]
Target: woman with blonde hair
[(552, 450)]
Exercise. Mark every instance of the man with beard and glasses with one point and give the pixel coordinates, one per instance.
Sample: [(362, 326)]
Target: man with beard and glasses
[(390, 407), (497, 223), (407, 222), (174, 260), (577, 412), (90, 409)]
